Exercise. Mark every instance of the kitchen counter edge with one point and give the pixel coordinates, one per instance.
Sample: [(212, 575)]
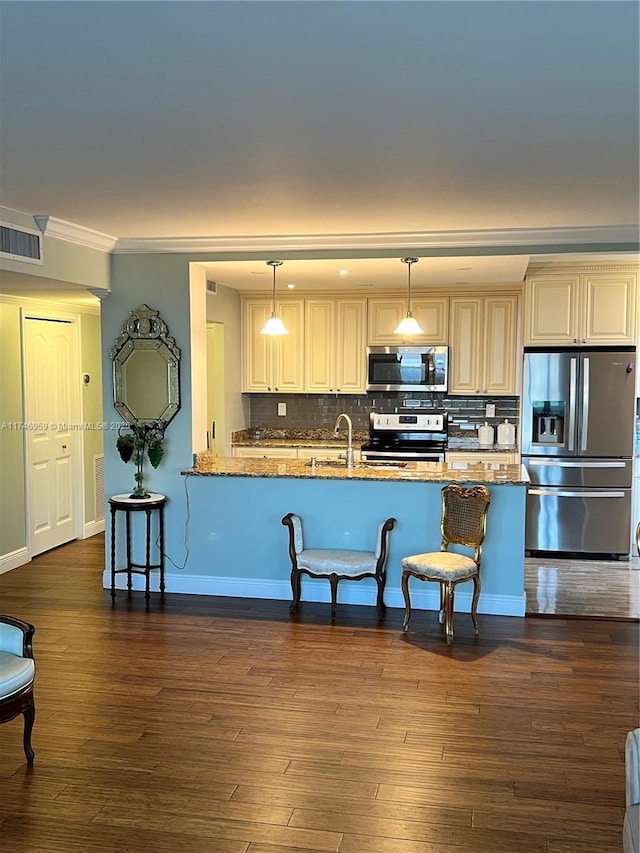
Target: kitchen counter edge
[(416, 472)]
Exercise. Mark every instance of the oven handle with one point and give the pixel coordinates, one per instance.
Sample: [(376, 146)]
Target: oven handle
[(414, 457)]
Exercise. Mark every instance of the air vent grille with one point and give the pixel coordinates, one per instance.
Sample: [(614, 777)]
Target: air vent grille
[(212, 287), (20, 244)]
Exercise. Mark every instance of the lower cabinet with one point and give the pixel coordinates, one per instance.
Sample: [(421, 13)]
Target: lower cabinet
[(266, 452), (477, 457), (292, 452)]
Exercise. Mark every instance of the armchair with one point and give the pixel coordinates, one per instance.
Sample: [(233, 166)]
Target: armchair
[(17, 674)]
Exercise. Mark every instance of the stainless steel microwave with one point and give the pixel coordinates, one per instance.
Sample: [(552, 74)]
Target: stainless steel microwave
[(418, 368)]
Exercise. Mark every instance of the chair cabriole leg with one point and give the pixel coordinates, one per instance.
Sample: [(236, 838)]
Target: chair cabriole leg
[(407, 601), (295, 590), (448, 612), (380, 600), (474, 603), (29, 718), (333, 581)]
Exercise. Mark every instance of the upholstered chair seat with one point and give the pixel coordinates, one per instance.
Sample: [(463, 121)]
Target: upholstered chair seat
[(17, 674), (337, 564), (463, 523)]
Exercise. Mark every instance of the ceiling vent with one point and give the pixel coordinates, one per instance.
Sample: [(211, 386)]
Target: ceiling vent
[(212, 288), (20, 244)]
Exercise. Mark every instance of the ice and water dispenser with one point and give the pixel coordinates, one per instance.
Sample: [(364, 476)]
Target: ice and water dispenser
[(548, 422)]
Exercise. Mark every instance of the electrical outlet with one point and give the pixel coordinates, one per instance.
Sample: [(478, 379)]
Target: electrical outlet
[(490, 411), (282, 408)]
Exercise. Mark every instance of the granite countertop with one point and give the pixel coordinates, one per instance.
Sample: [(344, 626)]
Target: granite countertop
[(208, 465)]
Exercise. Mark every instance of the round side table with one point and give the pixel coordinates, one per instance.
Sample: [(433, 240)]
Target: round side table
[(125, 503)]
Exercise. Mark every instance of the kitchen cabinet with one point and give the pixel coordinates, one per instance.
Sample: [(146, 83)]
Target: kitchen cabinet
[(266, 452), (273, 364), (483, 342), (385, 313), (478, 457), (572, 308), (326, 453), (335, 349)]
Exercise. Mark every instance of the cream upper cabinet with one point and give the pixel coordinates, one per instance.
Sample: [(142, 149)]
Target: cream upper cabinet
[(273, 363), (335, 353), (385, 314), (572, 309), (483, 352)]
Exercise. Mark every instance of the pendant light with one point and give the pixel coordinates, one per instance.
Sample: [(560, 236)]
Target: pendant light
[(408, 324), (274, 325)]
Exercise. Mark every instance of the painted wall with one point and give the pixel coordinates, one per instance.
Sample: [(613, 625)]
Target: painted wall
[(93, 439), (161, 282), (12, 494), (173, 284)]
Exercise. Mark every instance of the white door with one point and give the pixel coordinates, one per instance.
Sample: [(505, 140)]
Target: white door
[(215, 388), (51, 448)]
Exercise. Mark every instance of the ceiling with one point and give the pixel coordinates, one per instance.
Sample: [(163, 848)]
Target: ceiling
[(397, 127)]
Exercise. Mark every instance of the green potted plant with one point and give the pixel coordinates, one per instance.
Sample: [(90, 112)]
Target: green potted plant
[(133, 442)]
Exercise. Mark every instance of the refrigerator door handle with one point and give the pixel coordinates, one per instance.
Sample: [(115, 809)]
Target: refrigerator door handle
[(561, 493), (556, 463), (584, 426), (572, 402)]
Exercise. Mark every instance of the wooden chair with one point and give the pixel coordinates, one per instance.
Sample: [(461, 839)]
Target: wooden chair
[(17, 674), (336, 564), (463, 522)]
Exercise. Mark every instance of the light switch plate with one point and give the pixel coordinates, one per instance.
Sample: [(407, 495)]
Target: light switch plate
[(490, 411), (282, 408)]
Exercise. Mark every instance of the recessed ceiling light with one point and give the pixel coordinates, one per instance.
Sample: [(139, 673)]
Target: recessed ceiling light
[(343, 272), (290, 286)]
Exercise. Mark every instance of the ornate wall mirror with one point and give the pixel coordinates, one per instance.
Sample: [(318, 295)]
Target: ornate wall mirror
[(146, 377)]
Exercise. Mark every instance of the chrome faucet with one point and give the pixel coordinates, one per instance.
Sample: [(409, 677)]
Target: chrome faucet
[(349, 456)]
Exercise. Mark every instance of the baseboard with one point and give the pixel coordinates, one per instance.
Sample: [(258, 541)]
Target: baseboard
[(361, 592), (14, 559), (93, 527)]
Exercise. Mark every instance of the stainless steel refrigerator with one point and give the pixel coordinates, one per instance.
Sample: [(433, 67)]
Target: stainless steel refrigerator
[(577, 434)]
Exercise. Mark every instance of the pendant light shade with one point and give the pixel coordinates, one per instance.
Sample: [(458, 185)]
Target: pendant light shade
[(408, 325), (274, 325)]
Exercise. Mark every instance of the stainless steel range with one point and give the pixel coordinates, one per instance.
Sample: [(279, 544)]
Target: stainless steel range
[(407, 436)]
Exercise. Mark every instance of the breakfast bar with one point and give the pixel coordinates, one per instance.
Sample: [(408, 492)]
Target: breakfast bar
[(238, 547)]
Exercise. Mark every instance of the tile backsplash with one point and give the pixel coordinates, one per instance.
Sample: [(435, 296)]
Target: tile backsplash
[(319, 411)]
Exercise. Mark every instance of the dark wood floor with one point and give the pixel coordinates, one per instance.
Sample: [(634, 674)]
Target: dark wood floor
[(223, 726)]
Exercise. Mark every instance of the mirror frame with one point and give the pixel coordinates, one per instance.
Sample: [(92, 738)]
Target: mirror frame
[(145, 330)]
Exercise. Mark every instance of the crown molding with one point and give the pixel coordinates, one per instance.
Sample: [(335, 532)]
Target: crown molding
[(585, 267), (61, 307), (52, 227), (508, 240)]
